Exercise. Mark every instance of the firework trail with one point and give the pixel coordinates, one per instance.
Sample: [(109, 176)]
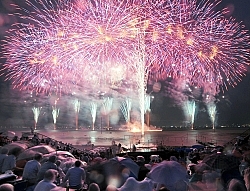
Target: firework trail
[(126, 109), (147, 107), (77, 105), (107, 106), (93, 109), (140, 72), (147, 103), (36, 112), (212, 110), (189, 110), (55, 114)]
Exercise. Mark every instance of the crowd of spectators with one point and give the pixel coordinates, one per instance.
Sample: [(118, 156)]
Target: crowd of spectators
[(88, 171)]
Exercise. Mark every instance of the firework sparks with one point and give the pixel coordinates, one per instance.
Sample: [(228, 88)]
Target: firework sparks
[(107, 106), (207, 48), (126, 109), (77, 105), (182, 38), (53, 52), (36, 112), (147, 109), (93, 109), (189, 110), (212, 110), (55, 114)]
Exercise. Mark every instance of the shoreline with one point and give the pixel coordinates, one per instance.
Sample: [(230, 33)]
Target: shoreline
[(84, 139)]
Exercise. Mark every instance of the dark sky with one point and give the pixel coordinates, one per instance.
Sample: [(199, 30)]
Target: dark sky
[(234, 108)]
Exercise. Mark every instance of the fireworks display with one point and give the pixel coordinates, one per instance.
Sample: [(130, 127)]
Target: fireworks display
[(59, 46)]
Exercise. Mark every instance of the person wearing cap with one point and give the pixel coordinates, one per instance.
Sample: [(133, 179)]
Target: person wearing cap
[(47, 183), (31, 169), (50, 164)]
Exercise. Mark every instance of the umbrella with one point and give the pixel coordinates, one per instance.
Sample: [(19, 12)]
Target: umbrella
[(201, 167), (44, 149), (198, 146), (27, 155), (129, 164), (9, 134), (170, 173), (64, 154), (16, 146), (112, 171), (61, 155), (222, 161), (132, 184)]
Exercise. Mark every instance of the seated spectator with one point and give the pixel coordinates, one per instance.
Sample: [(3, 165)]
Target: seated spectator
[(244, 164), (164, 189), (227, 175), (76, 176), (15, 138), (143, 171), (6, 187), (61, 174), (50, 164), (9, 162), (47, 183), (173, 158), (236, 185), (31, 169), (247, 178), (93, 187), (195, 175), (3, 155)]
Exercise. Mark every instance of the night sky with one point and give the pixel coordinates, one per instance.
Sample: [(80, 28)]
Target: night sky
[(233, 105)]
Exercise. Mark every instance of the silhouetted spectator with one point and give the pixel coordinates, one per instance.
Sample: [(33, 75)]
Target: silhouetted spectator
[(31, 169), (47, 182), (93, 187), (143, 171), (6, 187), (50, 164), (9, 162), (76, 176), (3, 155)]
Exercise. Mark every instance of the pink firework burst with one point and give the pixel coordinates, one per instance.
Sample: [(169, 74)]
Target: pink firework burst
[(57, 42), (203, 46), (58, 45)]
